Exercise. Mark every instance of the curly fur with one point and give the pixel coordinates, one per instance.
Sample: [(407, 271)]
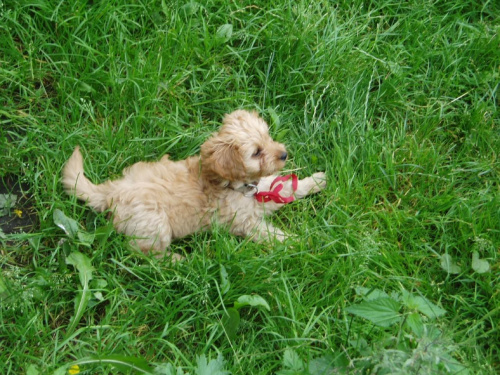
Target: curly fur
[(157, 202)]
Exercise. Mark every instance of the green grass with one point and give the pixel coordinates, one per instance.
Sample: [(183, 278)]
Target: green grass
[(396, 101)]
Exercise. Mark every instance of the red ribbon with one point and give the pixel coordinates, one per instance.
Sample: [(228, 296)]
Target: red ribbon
[(274, 193)]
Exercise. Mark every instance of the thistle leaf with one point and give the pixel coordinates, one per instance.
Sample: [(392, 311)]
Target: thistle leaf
[(479, 265), (253, 300), (382, 312), (449, 265), (67, 224)]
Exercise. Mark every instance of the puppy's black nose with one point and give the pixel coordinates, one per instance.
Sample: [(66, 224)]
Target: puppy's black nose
[(283, 156)]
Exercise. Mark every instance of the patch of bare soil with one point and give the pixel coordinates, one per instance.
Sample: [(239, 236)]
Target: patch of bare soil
[(17, 214)]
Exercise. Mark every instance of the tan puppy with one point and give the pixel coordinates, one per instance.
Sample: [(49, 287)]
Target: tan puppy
[(157, 202)]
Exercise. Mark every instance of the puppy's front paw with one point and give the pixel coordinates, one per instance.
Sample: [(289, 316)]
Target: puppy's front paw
[(320, 180), (173, 257)]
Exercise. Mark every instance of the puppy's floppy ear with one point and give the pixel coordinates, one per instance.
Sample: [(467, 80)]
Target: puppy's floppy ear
[(222, 160)]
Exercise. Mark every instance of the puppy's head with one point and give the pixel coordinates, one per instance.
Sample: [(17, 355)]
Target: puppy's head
[(242, 150)]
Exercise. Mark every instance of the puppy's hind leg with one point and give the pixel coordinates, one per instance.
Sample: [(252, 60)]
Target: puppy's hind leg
[(154, 247), (149, 228)]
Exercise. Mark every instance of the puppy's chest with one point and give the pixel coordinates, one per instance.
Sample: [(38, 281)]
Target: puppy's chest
[(235, 206)]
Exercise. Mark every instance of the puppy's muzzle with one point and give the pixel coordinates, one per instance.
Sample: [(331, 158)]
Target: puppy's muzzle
[(283, 156)]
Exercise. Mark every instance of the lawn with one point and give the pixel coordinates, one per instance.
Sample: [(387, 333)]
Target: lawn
[(394, 268)]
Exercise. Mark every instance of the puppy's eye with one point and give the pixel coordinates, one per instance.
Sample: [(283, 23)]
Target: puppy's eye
[(257, 152)]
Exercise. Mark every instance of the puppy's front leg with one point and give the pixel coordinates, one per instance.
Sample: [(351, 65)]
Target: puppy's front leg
[(257, 229), (267, 232), (311, 185), (306, 186), (260, 230)]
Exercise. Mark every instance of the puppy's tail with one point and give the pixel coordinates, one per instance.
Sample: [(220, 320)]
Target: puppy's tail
[(75, 183)]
